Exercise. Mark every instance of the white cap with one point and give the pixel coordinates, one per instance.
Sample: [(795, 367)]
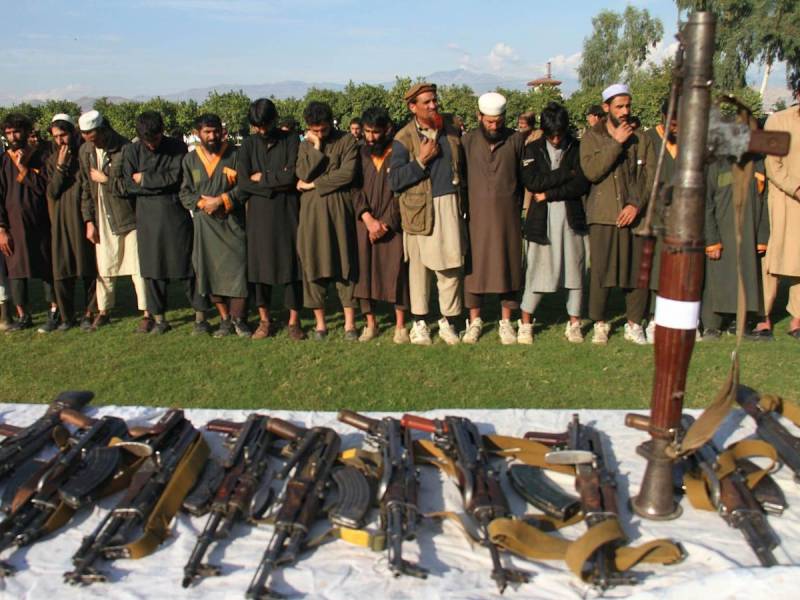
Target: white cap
[(63, 117), (492, 104), (616, 89), (90, 120)]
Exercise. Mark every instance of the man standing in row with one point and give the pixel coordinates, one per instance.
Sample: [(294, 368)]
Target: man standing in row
[(494, 158), (619, 164), (326, 239), (266, 165), (24, 221), (209, 190), (427, 172), (152, 173), (108, 212), (382, 273), (73, 254)]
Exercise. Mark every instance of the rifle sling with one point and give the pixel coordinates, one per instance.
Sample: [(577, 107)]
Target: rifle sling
[(374, 540), (697, 485), (787, 408), (156, 527)]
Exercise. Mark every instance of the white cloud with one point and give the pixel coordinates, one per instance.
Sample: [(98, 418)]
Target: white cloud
[(70, 91), (662, 52), (501, 55), (562, 64)]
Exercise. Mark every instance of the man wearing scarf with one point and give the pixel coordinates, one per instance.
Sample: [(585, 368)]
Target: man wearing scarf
[(209, 191), (427, 172), (494, 159), (24, 220), (382, 273)]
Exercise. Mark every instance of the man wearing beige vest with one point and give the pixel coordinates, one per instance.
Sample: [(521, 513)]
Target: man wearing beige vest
[(426, 171), (783, 250)]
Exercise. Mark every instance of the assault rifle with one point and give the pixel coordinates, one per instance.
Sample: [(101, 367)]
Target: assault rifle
[(176, 443), (244, 469), (771, 430), (73, 478), (397, 490), (312, 458), (478, 481), (24, 443), (582, 447)]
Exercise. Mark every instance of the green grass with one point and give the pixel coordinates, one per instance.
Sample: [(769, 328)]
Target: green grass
[(179, 370)]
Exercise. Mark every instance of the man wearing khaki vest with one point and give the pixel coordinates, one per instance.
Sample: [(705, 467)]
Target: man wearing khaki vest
[(426, 171)]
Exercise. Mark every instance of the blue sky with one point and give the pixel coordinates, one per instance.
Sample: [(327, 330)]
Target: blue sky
[(69, 49)]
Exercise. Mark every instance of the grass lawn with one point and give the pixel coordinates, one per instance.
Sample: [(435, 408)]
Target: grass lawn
[(179, 370)]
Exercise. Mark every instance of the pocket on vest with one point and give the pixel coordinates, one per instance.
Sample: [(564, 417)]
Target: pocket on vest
[(416, 213)]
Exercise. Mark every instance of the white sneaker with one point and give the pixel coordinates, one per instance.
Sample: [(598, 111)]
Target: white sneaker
[(525, 333), (420, 334), (447, 332), (573, 333), (506, 332), (634, 333), (651, 332), (600, 335), (473, 331)]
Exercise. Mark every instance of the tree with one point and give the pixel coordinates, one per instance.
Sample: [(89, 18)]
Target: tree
[(49, 108), (336, 100), (362, 96), (618, 46), (289, 107), (232, 107), (460, 101), (395, 101)]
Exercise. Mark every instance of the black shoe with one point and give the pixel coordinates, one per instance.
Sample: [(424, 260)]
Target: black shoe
[(225, 328), (242, 328), (320, 335), (23, 322), (86, 323), (160, 327), (711, 335), (202, 328), (351, 335), (51, 324), (760, 335), (102, 320), (65, 326), (795, 333)]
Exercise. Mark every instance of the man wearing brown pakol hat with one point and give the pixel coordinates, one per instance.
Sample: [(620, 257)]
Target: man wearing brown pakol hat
[(494, 160), (427, 172)]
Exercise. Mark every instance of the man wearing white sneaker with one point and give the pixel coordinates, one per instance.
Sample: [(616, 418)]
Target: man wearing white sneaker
[(494, 159), (619, 163), (426, 172)]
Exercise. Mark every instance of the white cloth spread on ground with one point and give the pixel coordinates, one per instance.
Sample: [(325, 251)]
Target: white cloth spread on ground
[(719, 565)]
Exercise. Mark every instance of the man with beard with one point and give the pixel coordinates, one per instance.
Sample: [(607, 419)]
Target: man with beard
[(327, 164), (357, 130), (24, 221), (494, 158), (209, 191), (382, 274), (619, 163), (266, 166), (73, 254), (108, 212), (151, 170), (427, 173), (555, 226)]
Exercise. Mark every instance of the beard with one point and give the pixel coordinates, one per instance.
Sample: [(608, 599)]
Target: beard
[(379, 148), (212, 146), (617, 122), (490, 136), (18, 144)]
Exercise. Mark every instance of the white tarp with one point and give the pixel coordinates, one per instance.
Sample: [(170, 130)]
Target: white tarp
[(719, 563)]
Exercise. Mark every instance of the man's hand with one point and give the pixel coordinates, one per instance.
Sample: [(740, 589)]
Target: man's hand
[(376, 229), (63, 155), (256, 177), (6, 243), (797, 194), (540, 196), (305, 186), (137, 178), (621, 133), (313, 139), (627, 215), (211, 204), (428, 150), (98, 176), (714, 252), (91, 233)]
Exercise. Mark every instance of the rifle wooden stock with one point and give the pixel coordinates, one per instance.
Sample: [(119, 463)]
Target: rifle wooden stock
[(73, 417), (359, 421), (284, 429), (422, 424), (223, 426), (636, 421), (546, 438), (7, 429)]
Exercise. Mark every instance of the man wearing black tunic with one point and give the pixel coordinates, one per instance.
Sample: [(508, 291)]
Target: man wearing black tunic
[(151, 169), (219, 257), (382, 273), (24, 222), (73, 254), (265, 166)]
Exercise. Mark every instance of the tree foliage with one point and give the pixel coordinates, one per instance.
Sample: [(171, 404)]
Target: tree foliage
[(232, 107)]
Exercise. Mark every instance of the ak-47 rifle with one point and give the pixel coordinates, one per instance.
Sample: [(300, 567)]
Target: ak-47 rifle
[(397, 490), (23, 443), (149, 503), (244, 474), (771, 430), (72, 478), (312, 460), (596, 484), (478, 481)]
